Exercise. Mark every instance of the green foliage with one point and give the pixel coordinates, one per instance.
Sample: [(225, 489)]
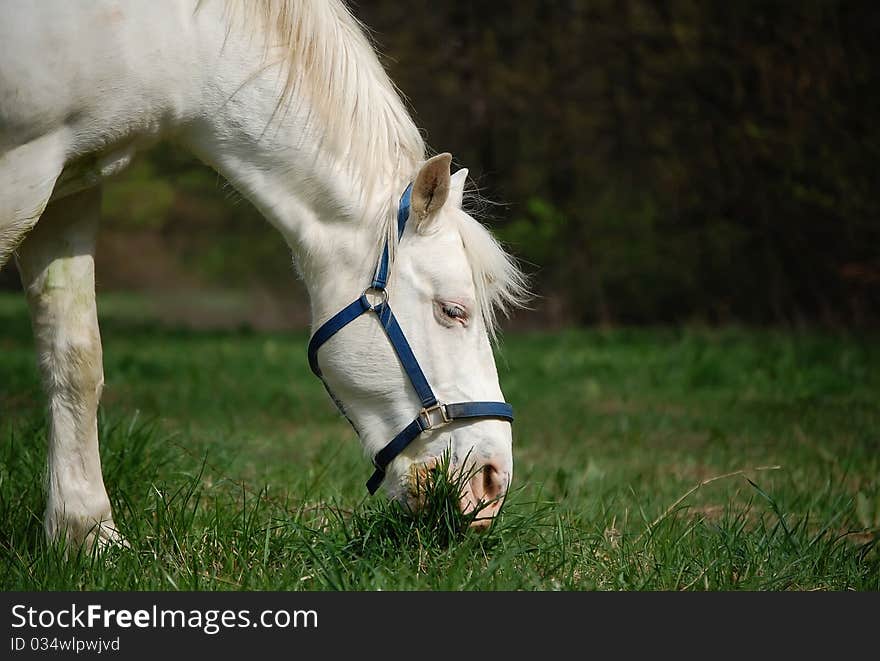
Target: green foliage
[(141, 199), (540, 236), (203, 231), (645, 460), (712, 160)]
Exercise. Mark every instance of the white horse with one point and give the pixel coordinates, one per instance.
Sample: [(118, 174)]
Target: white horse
[(288, 101)]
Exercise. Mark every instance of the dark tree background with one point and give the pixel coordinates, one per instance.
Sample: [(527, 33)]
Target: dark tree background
[(654, 161)]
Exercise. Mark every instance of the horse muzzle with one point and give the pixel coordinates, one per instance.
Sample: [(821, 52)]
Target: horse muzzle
[(481, 488)]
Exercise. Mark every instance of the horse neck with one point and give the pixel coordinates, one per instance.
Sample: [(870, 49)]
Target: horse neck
[(329, 213)]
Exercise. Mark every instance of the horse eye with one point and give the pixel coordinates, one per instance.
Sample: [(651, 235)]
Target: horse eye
[(454, 311)]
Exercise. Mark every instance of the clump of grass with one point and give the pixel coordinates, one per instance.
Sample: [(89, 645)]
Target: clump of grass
[(432, 519), (384, 544), (437, 495)]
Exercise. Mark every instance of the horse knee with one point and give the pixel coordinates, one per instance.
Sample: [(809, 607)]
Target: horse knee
[(61, 298), (75, 368)]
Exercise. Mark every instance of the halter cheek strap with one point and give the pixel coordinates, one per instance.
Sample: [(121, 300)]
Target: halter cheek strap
[(433, 412)]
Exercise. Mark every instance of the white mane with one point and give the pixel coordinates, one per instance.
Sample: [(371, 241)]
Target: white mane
[(358, 112), (499, 282), (330, 63)]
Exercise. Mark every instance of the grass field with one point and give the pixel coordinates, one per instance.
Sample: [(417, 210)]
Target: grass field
[(644, 460)]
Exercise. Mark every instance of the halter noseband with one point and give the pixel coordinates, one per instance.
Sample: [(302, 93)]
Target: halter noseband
[(433, 412)]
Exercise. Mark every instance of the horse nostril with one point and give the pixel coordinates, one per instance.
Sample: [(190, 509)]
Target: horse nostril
[(484, 492), (492, 484)]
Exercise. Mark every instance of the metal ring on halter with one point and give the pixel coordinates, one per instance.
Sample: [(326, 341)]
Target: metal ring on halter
[(382, 293)]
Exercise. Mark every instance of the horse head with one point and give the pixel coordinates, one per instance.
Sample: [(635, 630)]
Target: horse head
[(422, 380)]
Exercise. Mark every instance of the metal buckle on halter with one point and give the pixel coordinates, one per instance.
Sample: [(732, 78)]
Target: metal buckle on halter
[(427, 419)]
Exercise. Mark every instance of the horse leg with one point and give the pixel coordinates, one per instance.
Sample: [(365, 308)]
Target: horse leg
[(56, 261)]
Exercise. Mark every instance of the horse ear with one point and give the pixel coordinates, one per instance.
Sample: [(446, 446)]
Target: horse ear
[(431, 187), (456, 187)]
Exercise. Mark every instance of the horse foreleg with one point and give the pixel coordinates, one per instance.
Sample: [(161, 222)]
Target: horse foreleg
[(56, 262)]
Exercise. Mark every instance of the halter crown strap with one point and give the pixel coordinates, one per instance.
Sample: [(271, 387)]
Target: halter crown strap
[(433, 413), (381, 279)]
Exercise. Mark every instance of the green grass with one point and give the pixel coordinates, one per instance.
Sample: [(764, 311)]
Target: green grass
[(644, 460)]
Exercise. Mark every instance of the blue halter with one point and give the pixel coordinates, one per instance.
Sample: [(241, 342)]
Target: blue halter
[(433, 413)]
